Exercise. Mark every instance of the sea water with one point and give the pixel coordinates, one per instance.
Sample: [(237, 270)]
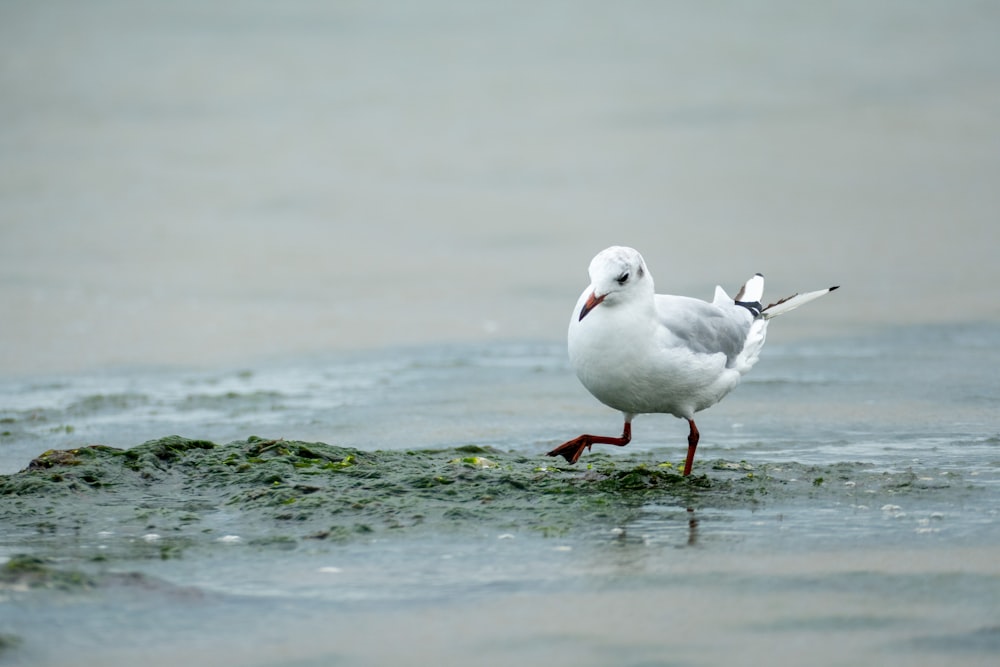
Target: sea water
[(365, 224), (908, 576)]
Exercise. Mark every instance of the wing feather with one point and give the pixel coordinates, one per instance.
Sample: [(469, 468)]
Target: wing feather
[(703, 327)]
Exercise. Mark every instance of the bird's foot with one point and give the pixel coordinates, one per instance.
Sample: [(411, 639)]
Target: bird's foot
[(572, 449)]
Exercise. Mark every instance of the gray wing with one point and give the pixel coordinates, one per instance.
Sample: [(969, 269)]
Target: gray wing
[(703, 327)]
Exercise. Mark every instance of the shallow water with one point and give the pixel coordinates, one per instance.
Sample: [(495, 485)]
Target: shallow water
[(867, 524), (874, 399)]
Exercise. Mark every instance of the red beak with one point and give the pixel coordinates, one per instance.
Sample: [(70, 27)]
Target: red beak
[(593, 301)]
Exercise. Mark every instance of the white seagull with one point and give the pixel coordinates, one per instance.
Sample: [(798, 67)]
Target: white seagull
[(641, 352)]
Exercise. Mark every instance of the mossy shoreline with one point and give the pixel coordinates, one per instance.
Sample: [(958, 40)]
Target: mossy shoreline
[(164, 497), (320, 491)]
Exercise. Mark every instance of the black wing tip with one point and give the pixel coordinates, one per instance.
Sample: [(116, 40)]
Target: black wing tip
[(834, 287)]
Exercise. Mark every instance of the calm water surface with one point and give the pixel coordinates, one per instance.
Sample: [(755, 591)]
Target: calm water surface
[(911, 577), (365, 224)]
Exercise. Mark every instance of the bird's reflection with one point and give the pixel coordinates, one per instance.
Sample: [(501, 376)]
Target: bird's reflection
[(657, 527), (692, 527)]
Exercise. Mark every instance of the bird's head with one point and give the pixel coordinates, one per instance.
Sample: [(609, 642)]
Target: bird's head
[(617, 274)]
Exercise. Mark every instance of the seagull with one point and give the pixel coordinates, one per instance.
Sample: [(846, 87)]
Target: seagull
[(641, 352)]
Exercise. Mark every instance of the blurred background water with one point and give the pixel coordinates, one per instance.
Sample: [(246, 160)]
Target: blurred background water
[(192, 183), (366, 224)]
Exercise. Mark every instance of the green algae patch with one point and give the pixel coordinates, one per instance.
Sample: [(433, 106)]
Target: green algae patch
[(475, 462), (68, 457), (188, 492), (164, 497), (78, 468), (23, 571), (8, 642)]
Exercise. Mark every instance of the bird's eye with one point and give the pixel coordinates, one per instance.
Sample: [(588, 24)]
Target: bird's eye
[(623, 278)]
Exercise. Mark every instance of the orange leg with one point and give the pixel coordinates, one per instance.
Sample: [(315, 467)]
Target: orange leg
[(572, 449)]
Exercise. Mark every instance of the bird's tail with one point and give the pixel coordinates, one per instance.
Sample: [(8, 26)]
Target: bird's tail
[(752, 292), (749, 297), (789, 303)]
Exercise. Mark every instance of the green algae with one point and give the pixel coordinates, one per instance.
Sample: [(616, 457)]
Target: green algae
[(191, 491), (9, 642), (164, 497), (34, 572)]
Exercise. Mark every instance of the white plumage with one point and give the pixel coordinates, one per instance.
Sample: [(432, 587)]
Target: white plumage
[(641, 352)]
